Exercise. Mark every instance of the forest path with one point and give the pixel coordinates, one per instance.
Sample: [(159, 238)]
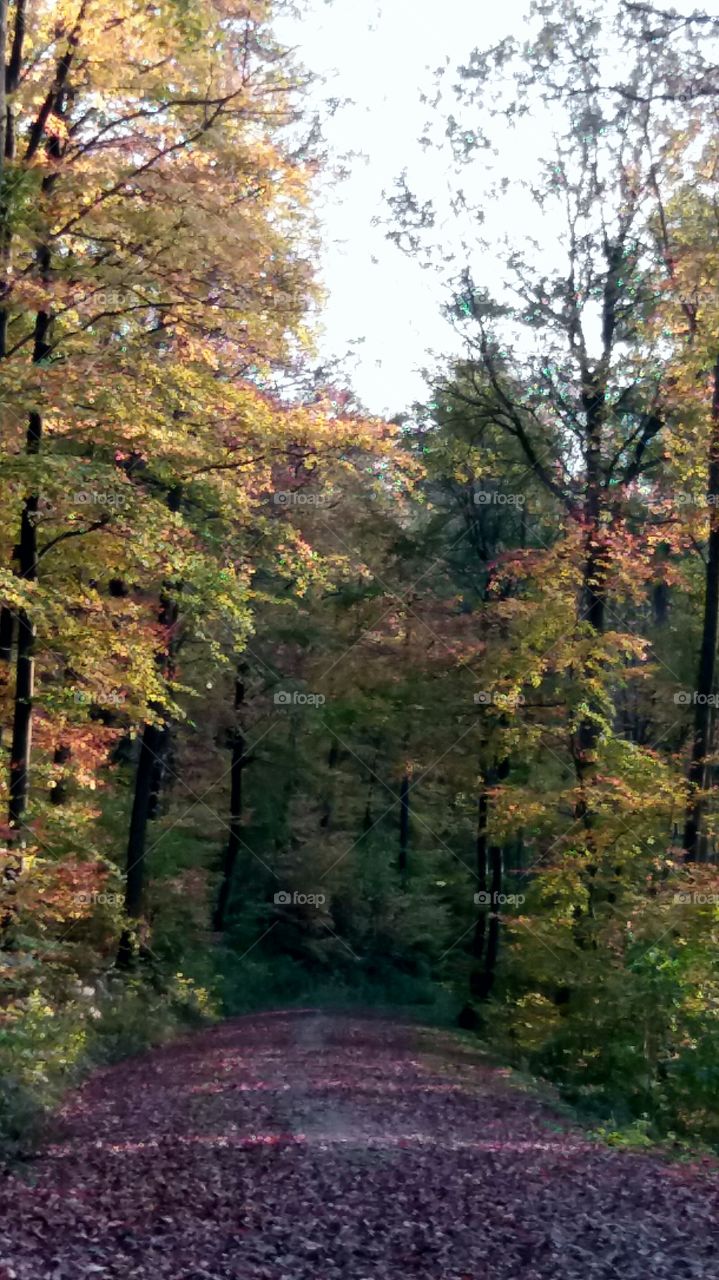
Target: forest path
[(304, 1146)]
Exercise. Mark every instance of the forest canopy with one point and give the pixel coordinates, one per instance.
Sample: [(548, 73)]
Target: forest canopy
[(298, 702)]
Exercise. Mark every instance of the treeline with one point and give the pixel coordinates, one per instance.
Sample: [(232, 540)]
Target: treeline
[(298, 702), (160, 412)]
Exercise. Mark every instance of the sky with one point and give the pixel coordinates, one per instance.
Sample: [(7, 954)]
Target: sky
[(381, 55)]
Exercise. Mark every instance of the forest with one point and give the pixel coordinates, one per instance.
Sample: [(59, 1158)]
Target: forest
[(301, 705)]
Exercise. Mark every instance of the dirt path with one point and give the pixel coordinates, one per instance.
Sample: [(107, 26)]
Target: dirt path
[(303, 1147)]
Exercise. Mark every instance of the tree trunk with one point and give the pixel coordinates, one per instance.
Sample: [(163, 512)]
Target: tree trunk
[(7, 636), (153, 746), (490, 963), (490, 860), (7, 633), (368, 817), (8, 86), (61, 756), (593, 605), (3, 88), (25, 667), (234, 839), (25, 660), (480, 928), (403, 824), (137, 839), (159, 772), (328, 803), (702, 744)]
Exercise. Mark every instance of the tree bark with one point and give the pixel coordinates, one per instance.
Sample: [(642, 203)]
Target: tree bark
[(153, 746), (496, 863), (27, 569), (593, 605), (61, 756), (7, 633), (3, 93), (234, 839), (8, 87), (490, 874), (702, 744), (480, 928), (403, 825), (137, 839), (328, 803)]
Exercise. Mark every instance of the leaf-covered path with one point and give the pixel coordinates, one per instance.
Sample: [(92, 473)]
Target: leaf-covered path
[(304, 1147)]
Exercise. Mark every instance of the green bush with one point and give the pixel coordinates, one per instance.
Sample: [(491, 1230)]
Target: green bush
[(46, 1048)]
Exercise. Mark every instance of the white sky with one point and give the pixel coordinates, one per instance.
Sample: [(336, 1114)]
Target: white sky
[(381, 54)]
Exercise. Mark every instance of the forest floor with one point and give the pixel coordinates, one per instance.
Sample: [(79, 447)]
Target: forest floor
[(305, 1146)]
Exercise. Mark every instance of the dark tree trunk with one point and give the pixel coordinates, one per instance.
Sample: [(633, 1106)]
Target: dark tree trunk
[(61, 756), (594, 588), (167, 617), (234, 839), (12, 76), (490, 859), (328, 804), (3, 85), (403, 824), (480, 928), (159, 772), (368, 817), (8, 87), (7, 633), (25, 658), (137, 840), (490, 964), (153, 746), (7, 636), (27, 568), (703, 719)]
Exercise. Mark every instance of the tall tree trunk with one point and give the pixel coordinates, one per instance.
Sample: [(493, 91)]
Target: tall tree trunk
[(496, 865), (25, 659), (480, 928), (328, 802), (490, 864), (3, 86), (27, 569), (593, 603), (61, 756), (403, 824), (8, 87), (153, 746), (694, 843), (7, 636), (234, 839), (368, 817), (7, 633), (160, 772), (137, 839)]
